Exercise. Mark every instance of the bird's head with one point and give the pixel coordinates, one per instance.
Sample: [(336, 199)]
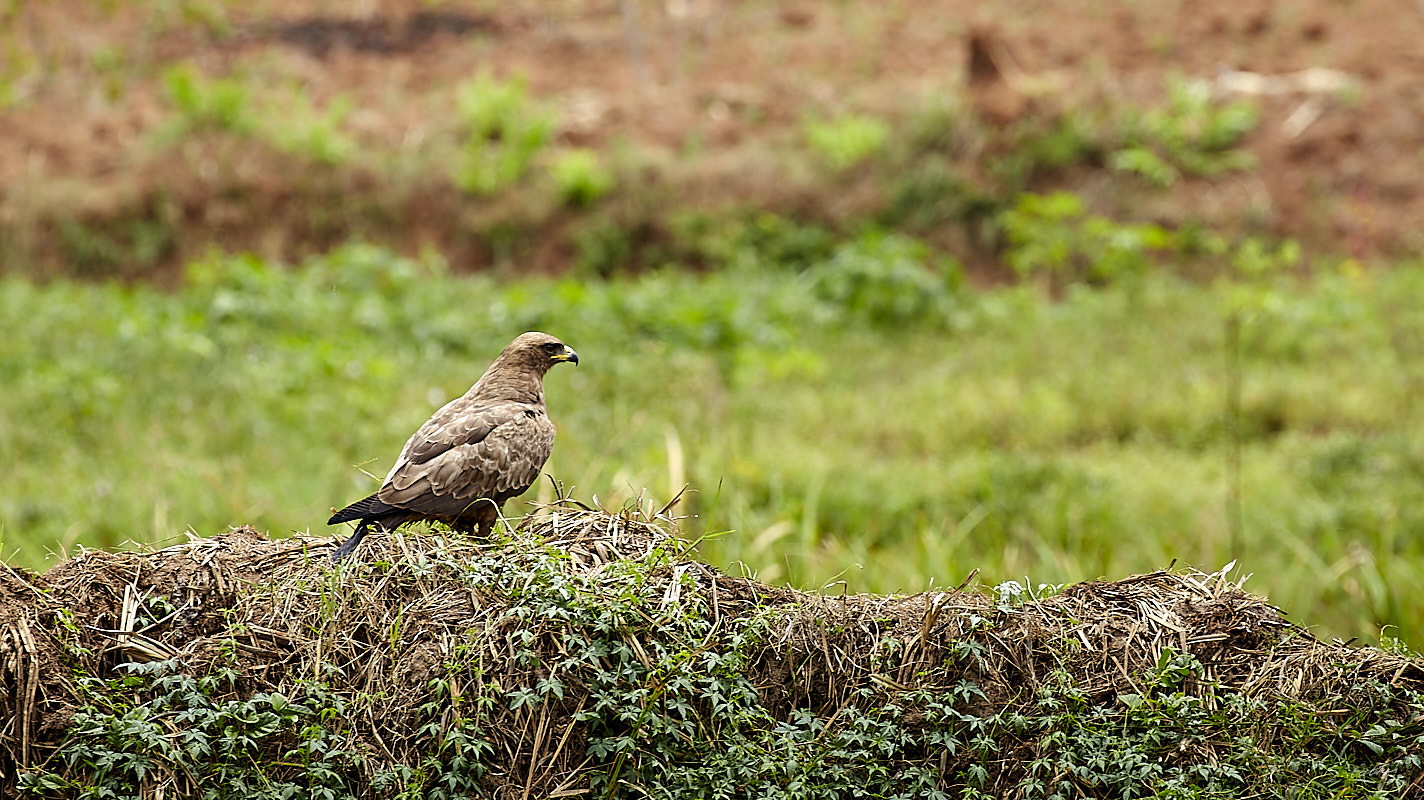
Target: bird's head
[(518, 374), (538, 351)]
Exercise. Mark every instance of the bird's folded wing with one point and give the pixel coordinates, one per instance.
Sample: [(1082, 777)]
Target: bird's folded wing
[(503, 462), (460, 423)]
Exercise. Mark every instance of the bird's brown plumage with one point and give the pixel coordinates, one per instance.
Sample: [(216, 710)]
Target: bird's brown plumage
[(477, 452)]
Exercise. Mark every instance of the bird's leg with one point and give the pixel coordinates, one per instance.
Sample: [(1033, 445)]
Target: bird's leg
[(350, 544)]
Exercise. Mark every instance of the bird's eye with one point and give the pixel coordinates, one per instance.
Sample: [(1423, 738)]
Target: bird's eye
[(551, 348)]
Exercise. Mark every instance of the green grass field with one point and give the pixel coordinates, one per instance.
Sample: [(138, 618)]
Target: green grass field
[(862, 424)]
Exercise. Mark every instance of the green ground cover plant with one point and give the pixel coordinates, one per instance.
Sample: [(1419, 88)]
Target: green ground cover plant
[(831, 429)]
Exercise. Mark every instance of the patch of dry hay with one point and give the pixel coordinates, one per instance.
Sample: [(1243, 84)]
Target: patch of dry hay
[(406, 614)]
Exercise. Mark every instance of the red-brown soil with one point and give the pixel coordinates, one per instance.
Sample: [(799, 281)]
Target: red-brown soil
[(710, 95)]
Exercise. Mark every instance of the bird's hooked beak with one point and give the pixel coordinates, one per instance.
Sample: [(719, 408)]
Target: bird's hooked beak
[(568, 355)]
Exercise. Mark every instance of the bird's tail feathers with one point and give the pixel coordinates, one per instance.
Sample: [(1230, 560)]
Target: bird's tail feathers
[(362, 509), (387, 523)]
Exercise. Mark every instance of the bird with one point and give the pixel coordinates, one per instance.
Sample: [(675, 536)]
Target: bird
[(474, 454)]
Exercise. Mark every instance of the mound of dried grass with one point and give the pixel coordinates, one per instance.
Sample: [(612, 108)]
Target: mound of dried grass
[(411, 633)]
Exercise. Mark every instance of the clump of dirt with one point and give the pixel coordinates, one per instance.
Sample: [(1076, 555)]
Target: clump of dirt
[(493, 621)]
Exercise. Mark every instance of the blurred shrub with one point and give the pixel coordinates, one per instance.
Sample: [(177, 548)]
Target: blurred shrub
[(933, 193), (885, 279), (603, 248), (1192, 134), (848, 140), (506, 131), (296, 126), (784, 242), (288, 120), (223, 104), (121, 246), (760, 239), (581, 177), (1053, 234), (1037, 145)]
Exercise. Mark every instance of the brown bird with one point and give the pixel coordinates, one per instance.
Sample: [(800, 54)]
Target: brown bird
[(477, 452)]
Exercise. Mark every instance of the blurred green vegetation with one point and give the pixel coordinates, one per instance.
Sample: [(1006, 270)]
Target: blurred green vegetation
[(1191, 134), (506, 130), (845, 411), (580, 176), (847, 140)]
